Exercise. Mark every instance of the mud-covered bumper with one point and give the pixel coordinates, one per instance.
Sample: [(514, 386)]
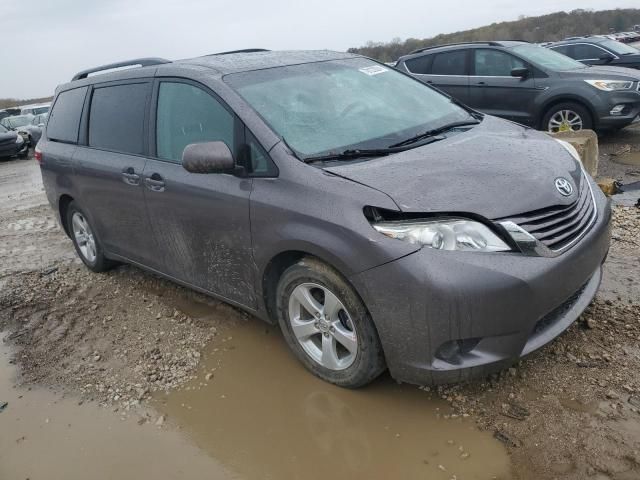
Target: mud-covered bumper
[(446, 317)]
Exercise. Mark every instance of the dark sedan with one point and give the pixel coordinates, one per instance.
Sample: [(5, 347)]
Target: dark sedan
[(12, 144), (599, 51)]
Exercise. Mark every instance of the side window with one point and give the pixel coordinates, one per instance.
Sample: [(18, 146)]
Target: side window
[(582, 51), (563, 49), (259, 162), (494, 63), (187, 114), (419, 65), (64, 119), (450, 63), (116, 117)]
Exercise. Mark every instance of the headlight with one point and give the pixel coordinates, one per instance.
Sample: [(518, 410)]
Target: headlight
[(19, 139), (569, 148), (610, 85), (445, 234)]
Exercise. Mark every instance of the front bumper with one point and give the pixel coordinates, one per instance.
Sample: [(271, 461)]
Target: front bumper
[(608, 100), (445, 317)]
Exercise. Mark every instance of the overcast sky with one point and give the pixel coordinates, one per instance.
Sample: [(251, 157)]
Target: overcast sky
[(47, 41)]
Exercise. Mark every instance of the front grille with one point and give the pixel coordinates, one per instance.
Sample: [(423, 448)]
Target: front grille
[(559, 226)]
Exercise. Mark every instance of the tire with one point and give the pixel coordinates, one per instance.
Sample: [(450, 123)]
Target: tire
[(575, 116), (87, 245), (321, 347)]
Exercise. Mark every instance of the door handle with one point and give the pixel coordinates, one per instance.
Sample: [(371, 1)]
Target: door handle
[(130, 177), (481, 83), (155, 183)]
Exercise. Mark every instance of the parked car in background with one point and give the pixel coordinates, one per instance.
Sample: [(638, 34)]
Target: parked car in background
[(9, 112), (15, 123), (529, 84), (12, 144), (35, 109), (598, 50), (378, 222), (33, 131)]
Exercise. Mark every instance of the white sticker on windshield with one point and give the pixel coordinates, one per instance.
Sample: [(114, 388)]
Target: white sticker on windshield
[(373, 70)]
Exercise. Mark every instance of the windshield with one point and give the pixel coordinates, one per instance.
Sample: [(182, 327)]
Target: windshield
[(619, 48), (21, 121), (325, 107), (547, 58), (39, 110)]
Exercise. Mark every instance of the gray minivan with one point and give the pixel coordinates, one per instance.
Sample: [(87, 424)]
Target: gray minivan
[(530, 84), (379, 222)]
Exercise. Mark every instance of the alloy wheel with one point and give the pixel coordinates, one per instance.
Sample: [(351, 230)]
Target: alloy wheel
[(323, 327), (565, 121), (84, 237)]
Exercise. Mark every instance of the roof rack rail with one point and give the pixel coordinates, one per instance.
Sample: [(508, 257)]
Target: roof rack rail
[(142, 62), (244, 50), (491, 43)]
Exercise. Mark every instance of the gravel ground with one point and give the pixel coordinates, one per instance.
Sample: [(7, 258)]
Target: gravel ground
[(570, 410)]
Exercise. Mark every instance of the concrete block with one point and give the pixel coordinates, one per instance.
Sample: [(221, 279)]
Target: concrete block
[(586, 143)]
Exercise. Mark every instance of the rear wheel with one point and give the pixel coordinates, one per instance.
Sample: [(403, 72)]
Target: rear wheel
[(327, 326), (85, 240), (567, 117)]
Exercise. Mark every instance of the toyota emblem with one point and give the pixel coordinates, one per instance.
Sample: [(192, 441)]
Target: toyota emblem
[(563, 186)]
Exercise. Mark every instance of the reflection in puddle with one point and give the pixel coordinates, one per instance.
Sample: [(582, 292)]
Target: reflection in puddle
[(263, 416)]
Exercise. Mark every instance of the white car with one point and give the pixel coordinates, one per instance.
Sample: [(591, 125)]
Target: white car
[(35, 109)]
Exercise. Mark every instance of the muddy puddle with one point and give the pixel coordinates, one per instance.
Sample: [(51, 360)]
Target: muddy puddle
[(44, 436), (261, 415)]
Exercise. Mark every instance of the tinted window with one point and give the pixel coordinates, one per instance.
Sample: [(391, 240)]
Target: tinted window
[(494, 63), (450, 63), (116, 118), (65, 116), (583, 51), (563, 49), (187, 114), (420, 65)]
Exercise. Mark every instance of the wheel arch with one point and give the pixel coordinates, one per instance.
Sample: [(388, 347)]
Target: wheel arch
[(550, 103), (276, 266), (63, 207)]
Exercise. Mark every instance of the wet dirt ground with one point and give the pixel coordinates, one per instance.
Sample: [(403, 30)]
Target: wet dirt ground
[(123, 375)]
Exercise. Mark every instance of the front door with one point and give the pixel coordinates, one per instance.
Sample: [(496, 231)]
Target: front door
[(494, 91), (200, 221)]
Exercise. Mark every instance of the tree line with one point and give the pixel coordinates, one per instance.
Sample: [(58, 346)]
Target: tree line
[(545, 28)]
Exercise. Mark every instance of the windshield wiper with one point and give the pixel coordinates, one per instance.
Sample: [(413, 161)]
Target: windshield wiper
[(434, 132), (351, 154)]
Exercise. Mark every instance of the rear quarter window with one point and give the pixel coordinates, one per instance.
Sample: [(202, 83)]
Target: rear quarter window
[(64, 119), (117, 117)]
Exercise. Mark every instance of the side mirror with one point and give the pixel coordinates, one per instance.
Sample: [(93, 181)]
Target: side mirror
[(208, 157), (606, 57), (520, 72)]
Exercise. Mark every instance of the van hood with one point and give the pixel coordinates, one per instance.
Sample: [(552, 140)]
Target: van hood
[(496, 169)]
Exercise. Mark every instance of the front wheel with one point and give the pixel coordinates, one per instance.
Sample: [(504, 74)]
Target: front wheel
[(327, 326), (567, 117)]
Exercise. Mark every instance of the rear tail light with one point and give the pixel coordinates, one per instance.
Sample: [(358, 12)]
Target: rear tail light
[(38, 155)]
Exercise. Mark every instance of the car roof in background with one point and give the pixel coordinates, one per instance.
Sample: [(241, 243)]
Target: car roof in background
[(455, 46)]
